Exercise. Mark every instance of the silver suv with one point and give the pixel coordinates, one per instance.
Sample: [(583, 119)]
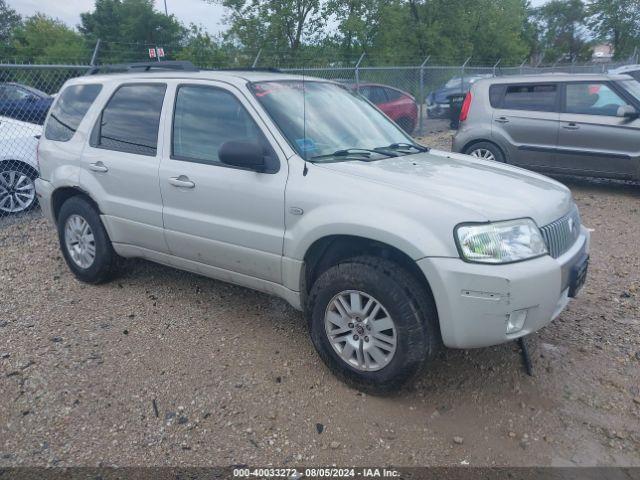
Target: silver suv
[(301, 188), (573, 124)]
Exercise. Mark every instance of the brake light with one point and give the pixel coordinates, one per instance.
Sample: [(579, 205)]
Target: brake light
[(466, 106)]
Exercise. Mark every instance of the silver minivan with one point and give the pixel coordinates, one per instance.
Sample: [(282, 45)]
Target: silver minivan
[(575, 124)]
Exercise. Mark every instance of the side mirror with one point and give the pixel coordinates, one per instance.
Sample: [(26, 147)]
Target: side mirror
[(243, 155), (628, 112)]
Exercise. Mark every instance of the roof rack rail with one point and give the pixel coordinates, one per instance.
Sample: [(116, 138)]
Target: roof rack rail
[(246, 69), (175, 65)]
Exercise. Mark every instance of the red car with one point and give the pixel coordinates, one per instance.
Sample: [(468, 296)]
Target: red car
[(398, 105)]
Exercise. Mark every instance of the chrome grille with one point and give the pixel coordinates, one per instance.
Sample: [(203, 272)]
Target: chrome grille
[(562, 234)]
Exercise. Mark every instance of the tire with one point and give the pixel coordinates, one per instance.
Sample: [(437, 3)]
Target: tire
[(406, 124), (17, 188), (104, 264), (493, 152), (402, 297)]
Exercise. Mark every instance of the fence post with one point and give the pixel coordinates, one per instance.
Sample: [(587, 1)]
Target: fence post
[(357, 72), (496, 66), (94, 57), (255, 60), (421, 95), (522, 65), (464, 65)]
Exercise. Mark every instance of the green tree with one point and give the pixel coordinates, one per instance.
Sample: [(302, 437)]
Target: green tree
[(204, 50), (273, 24), (9, 22), (42, 39), (564, 35), (127, 27), (617, 22)]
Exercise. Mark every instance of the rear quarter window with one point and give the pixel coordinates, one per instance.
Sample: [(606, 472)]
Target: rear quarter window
[(69, 110)]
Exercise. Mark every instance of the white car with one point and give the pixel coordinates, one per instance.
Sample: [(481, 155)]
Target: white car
[(632, 70), (300, 188), (18, 165)]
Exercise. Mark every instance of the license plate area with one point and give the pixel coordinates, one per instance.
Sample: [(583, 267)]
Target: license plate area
[(578, 276)]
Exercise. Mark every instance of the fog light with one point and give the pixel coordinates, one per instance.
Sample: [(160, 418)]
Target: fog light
[(515, 321)]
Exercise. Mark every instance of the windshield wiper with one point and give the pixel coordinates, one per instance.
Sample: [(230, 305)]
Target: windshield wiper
[(402, 146), (352, 152)]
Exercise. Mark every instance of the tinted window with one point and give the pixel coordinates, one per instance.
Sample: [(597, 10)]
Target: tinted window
[(495, 95), (11, 93), (130, 121), (393, 94), (540, 98), (592, 99), (204, 119), (69, 110)]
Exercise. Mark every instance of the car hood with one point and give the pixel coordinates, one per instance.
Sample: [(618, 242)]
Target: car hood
[(493, 191)]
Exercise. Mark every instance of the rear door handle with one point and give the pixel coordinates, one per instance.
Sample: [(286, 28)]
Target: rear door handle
[(98, 167), (502, 120), (181, 182), (571, 126)]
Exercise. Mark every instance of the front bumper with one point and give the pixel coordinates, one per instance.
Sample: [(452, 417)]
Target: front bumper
[(474, 301)]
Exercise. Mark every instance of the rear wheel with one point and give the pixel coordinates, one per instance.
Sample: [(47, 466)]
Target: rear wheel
[(84, 242), (486, 151), (372, 323), (17, 187)]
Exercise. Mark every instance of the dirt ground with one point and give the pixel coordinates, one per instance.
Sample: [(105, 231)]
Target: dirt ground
[(163, 367)]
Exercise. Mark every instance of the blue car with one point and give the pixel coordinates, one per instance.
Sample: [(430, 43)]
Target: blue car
[(24, 103), (438, 100)]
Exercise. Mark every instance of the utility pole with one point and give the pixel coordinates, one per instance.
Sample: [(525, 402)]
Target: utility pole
[(166, 12)]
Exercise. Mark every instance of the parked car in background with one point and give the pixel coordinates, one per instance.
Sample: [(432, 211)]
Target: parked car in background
[(631, 70), (398, 105), (438, 100), (24, 103), (300, 188), (18, 165), (560, 123)]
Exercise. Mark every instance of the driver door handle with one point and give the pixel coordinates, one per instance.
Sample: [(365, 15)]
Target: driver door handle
[(502, 120), (181, 182), (98, 167), (571, 126)]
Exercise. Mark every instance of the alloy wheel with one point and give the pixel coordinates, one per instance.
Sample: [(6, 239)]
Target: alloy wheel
[(80, 241), (17, 191), (483, 153), (360, 330)]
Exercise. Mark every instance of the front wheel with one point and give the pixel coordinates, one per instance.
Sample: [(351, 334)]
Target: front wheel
[(372, 323)]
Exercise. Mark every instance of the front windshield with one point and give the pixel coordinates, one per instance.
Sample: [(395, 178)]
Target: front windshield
[(633, 87), (320, 118)]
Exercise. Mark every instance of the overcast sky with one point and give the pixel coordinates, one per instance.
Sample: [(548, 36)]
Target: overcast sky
[(187, 11)]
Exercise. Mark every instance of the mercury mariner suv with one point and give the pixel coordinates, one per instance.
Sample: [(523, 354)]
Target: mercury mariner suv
[(301, 188)]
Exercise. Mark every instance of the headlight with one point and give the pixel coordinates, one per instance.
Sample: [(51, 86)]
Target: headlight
[(500, 242)]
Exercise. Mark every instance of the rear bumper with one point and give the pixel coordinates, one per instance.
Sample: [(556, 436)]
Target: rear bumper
[(474, 301), (44, 191)]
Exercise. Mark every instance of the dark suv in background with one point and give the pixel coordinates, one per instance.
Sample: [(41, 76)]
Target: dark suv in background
[(559, 123)]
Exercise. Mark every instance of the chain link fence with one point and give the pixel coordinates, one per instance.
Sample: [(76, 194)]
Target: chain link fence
[(416, 97)]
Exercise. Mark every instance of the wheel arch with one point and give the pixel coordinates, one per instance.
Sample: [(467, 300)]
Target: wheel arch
[(333, 249), (62, 194), (27, 165)]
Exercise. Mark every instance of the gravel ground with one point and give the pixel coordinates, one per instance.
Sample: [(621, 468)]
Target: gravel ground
[(163, 367)]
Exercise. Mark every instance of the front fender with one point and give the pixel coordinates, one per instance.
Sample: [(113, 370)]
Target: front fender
[(386, 226)]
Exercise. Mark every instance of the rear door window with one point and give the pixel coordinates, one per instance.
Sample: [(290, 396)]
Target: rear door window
[(130, 121), (392, 94), (534, 97), (69, 110)]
